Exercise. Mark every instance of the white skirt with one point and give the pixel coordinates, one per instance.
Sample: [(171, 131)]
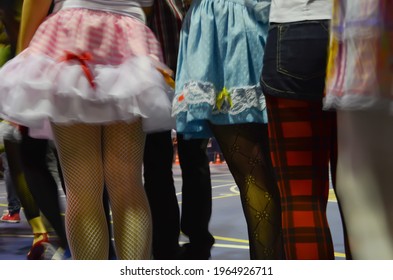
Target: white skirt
[(109, 75)]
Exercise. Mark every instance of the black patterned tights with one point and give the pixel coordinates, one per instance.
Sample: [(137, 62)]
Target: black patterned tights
[(245, 149)]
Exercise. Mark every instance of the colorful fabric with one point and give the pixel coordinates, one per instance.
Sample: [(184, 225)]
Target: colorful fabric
[(219, 65), (124, 55), (360, 71), (302, 141), (110, 38), (166, 24)]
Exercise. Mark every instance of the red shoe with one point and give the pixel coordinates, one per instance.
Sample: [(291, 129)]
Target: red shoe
[(38, 249), (10, 218)]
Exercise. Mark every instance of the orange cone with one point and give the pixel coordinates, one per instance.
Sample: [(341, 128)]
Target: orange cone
[(177, 159), (218, 159)]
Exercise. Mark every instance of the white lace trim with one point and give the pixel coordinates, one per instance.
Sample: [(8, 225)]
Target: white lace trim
[(243, 98)]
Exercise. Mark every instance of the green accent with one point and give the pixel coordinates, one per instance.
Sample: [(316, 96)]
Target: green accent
[(223, 96), (5, 54)]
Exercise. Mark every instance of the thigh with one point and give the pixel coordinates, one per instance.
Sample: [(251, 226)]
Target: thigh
[(158, 153), (33, 151), (192, 151), (300, 136), (123, 147), (80, 152), (124, 143), (365, 141), (364, 178)]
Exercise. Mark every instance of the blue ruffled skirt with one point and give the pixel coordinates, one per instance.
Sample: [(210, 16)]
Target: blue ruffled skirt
[(219, 65)]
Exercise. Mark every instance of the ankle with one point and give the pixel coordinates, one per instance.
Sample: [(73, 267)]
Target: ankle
[(40, 237)]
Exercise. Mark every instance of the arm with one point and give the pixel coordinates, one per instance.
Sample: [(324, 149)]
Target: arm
[(33, 13)]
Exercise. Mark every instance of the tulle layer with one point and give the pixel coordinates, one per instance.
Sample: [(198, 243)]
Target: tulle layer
[(36, 89)]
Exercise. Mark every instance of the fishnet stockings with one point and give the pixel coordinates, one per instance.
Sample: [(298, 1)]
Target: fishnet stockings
[(245, 148), (123, 156), (92, 155)]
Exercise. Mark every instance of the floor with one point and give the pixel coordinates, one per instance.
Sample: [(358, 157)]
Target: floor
[(227, 223)]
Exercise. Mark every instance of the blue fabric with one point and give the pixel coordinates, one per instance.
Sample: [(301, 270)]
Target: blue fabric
[(221, 46)]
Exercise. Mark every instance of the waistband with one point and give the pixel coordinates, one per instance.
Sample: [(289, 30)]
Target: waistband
[(128, 8)]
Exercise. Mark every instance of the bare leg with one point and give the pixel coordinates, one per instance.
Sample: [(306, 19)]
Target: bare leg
[(364, 179)]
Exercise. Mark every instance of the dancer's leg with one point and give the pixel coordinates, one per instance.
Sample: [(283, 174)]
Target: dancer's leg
[(123, 146), (245, 149), (80, 152)]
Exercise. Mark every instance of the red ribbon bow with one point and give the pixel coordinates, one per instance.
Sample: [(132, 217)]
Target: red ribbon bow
[(82, 59)]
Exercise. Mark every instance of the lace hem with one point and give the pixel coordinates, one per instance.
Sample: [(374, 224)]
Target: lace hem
[(233, 101)]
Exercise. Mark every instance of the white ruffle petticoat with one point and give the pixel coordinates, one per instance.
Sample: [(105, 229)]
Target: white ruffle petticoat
[(86, 66)]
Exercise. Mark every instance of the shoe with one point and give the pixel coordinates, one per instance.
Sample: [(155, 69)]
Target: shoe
[(191, 252), (37, 251), (166, 253), (10, 218), (54, 252), (67, 254)]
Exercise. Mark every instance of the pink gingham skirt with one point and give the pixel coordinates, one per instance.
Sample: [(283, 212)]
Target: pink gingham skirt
[(91, 67)]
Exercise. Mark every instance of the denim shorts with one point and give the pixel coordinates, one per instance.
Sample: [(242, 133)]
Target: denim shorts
[(295, 60)]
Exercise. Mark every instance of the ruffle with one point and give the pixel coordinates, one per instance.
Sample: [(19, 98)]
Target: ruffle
[(355, 102), (36, 89)]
